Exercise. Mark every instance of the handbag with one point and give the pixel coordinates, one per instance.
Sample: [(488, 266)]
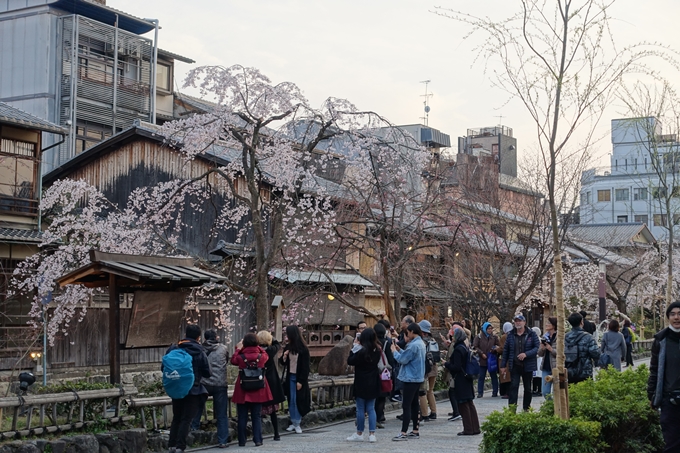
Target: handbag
[(385, 381), (492, 363), (604, 361), (251, 377)]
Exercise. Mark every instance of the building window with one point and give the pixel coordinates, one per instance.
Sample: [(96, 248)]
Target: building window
[(676, 192), (626, 167), (622, 195), (659, 192), (640, 193), (660, 219), (89, 134), (636, 163), (604, 195), (676, 219), (585, 197), (622, 219), (642, 219), (616, 164), (163, 77), (18, 170)]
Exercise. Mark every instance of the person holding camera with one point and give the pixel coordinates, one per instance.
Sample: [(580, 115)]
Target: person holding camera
[(663, 386), (549, 354)]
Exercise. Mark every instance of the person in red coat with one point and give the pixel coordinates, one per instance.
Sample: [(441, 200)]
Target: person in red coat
[(250, 400)]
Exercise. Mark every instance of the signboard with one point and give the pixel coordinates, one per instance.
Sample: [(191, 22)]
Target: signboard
[(156, 318)]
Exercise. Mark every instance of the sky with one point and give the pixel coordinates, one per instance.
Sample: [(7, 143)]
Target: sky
[(376, 53)]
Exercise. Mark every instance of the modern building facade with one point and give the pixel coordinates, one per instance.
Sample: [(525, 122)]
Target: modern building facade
[(644, 168), (85, 66), (497, 142)]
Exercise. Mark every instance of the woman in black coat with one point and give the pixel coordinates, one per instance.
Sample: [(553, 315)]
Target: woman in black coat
[(364, 357), (272, 347), (386, 343), (296, 360), (464, 387)]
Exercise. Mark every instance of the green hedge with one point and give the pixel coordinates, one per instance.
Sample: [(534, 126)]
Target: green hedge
[(609, 415), (618, 400), (507, 432)]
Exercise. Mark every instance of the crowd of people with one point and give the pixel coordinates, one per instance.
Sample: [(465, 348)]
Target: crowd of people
[(402, 365)]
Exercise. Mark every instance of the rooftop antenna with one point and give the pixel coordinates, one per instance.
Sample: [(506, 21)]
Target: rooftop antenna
[(427, 96), (500, 120)]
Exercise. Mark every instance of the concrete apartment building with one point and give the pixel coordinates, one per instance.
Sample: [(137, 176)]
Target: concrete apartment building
[(631, 190), (84, 66)]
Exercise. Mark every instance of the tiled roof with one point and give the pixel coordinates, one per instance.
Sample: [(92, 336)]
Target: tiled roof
[(20, 235), (175, 56), (611, 234), (17, 117)]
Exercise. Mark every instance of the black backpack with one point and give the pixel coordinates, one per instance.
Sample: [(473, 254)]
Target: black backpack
[(429, 359), (252, 377), (572, 360)]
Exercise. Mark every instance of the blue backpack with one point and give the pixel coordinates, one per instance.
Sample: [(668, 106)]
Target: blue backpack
[(178, 373), (472, 368)]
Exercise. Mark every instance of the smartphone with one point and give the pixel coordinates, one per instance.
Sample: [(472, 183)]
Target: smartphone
[(391, 328)]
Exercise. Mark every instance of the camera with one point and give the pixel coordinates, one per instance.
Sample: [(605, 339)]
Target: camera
[(675, 397)]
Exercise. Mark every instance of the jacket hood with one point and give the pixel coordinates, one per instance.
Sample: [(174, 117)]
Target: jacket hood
[(484, 327), (211, 345), (191, 346)]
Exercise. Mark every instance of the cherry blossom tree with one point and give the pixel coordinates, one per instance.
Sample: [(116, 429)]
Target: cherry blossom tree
[(283, 154), (79, 218)]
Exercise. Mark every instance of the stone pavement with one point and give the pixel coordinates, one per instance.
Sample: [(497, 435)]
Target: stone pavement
[(437, 435)]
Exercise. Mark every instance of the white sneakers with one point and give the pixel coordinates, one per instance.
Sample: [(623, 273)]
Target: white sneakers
[(360, 438), (292, 428)]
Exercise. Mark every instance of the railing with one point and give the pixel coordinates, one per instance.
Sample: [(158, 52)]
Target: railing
[(57, 412), (325, 393), (643, 345)]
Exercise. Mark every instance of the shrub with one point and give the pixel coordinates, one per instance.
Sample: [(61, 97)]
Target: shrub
[(618, 400), (507, 432)]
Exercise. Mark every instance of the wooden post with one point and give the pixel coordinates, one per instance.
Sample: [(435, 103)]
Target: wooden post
[(114, 331)]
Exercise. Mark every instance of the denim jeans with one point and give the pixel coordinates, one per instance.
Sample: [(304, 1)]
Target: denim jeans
[(482, 376), (220, 402), (255, 416), (546, 389), (363, 407), (295, 417)]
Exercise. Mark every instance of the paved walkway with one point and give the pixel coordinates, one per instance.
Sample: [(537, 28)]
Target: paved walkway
[(437, 435)]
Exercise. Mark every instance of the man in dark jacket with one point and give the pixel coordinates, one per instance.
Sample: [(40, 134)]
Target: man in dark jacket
[(184, 410), (663, 386), (519, 355), (587, 350), (216, 385), (588, 326)]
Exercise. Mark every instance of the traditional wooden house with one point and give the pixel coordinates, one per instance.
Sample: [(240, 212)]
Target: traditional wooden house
[(21, 147)]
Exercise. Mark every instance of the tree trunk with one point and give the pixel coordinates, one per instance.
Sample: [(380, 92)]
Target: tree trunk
[(669, 276), (262, 306)]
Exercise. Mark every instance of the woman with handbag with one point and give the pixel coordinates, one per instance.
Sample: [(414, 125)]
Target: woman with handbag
[(272, 348), (464, 386), (486, 345), (251, 389), (296, 361), (614, 345), (381, 332), (364, 357)]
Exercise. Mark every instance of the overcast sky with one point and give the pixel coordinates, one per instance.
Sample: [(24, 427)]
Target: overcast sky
[(375, 53)]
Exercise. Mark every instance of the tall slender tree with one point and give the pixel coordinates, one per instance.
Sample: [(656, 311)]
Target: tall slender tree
[(560, 61)]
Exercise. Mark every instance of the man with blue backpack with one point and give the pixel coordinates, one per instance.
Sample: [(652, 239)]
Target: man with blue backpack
[(519, 355), (184, 364)]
